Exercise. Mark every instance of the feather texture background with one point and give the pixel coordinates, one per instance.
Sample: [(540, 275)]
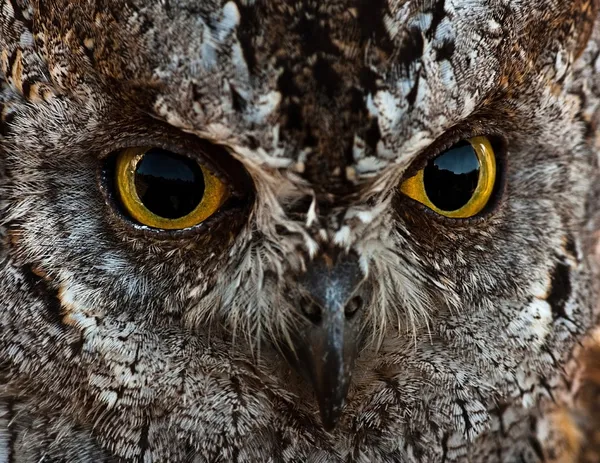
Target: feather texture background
[(124, 343)]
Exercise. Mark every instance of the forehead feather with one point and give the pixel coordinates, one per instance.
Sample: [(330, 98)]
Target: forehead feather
[(322, 86)]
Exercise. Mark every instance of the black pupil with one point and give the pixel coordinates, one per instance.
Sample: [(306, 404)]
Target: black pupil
[(451, 178), (169, 185)]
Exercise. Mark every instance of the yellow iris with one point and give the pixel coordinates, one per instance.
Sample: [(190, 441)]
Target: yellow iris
[(214, 195), (415, 187)]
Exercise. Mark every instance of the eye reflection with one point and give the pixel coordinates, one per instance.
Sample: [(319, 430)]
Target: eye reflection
[(457, 183), (165, 190), (169, 185), (451, 179)]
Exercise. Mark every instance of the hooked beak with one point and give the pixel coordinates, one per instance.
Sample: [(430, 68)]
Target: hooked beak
[(327, 344)]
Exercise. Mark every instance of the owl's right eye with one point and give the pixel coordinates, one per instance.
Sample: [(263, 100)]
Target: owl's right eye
[(164, 190)]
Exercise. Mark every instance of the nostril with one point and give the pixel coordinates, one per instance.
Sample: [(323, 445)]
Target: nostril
[(313, 312), (353, 306)]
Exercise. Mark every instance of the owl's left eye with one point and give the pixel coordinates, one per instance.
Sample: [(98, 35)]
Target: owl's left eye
[(457, 183), (161, 189)]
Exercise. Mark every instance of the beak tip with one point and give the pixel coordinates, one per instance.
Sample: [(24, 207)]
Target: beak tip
[(331, 406), (330, 418), (329, 426)]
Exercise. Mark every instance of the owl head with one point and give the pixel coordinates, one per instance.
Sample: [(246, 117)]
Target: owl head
[(324, 228)]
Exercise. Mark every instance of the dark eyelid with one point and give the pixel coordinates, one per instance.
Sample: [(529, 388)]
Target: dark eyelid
[(214, 157), (452, 137)]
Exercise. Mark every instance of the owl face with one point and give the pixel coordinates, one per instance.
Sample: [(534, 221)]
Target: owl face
[(326, 230)]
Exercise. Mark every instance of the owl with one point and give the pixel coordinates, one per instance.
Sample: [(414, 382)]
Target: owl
[(299, 231)]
